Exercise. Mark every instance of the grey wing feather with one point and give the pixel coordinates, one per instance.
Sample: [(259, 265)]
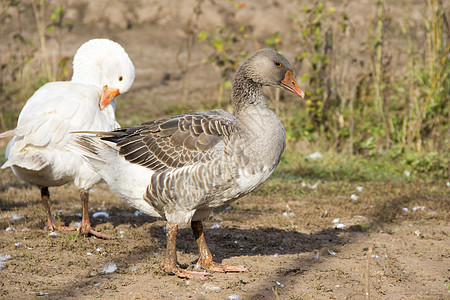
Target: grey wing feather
[(174, 142)]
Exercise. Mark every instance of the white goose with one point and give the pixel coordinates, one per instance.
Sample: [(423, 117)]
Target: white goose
[(180, 168), (38, 152)]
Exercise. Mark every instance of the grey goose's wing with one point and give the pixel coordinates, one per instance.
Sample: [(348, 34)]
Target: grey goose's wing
[(174, 142)]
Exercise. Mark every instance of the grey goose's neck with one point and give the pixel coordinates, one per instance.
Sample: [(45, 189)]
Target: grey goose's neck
[(246, 94)]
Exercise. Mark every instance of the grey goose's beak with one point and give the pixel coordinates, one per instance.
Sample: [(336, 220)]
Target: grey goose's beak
[(289, 83)]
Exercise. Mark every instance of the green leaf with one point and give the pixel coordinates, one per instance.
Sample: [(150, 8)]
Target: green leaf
[(203, 35)]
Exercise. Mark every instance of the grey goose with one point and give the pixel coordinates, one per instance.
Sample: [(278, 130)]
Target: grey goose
[(38, 152), (180, 168)]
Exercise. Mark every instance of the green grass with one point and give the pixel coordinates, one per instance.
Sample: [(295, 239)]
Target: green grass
[(360, 168)]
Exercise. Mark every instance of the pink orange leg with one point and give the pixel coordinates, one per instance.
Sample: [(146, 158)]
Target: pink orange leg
[(85, 226), (205, 256), (45, 196), (170, 262)]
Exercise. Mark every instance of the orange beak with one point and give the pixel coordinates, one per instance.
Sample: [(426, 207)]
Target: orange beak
[(107, 96), (289, 83)]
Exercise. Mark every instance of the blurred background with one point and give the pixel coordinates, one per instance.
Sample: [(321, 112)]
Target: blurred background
[(376, 73)]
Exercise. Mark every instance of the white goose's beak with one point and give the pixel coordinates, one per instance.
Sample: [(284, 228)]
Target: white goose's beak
[(108, 95)]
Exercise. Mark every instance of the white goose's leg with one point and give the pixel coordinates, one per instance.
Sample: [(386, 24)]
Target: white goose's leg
[(205, 256), (85, 226), (51, 224)]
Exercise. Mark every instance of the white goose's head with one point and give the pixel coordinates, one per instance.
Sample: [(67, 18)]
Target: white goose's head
[(105, 64)]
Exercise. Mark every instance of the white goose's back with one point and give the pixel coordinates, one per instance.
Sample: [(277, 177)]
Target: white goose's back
[(38, 153)]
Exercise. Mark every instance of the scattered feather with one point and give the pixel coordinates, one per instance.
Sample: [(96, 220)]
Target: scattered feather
[(10, 229), (138, 213), (314, 186), (121, 233), (89, 254), (354, 197), (53, 233), (17, 244), (331, 252), (289, 212), (405, 209), (335, 221), (215, 226), (314, 156), (276, 255), (339, 226), (133, 268), (234, 297), (16, 217), (279, 284), (418, 208), (109, 268), (101, 214), (359, 188), (407, 173), (211, 287), (3, 258)]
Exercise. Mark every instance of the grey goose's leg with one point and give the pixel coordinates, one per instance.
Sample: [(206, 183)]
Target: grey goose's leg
[(205, 256), (170, 262)]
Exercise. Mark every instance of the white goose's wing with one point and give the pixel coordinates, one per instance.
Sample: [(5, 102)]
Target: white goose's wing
[(48, 117)]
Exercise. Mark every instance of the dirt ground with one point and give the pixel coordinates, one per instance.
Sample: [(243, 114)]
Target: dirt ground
[(300, 239), (284, 233)]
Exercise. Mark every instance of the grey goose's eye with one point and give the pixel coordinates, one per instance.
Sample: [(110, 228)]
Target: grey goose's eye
[(277, 64), (120, 78)]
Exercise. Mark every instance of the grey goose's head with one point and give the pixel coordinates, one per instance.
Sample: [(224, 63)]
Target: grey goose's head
[(266, 67)]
